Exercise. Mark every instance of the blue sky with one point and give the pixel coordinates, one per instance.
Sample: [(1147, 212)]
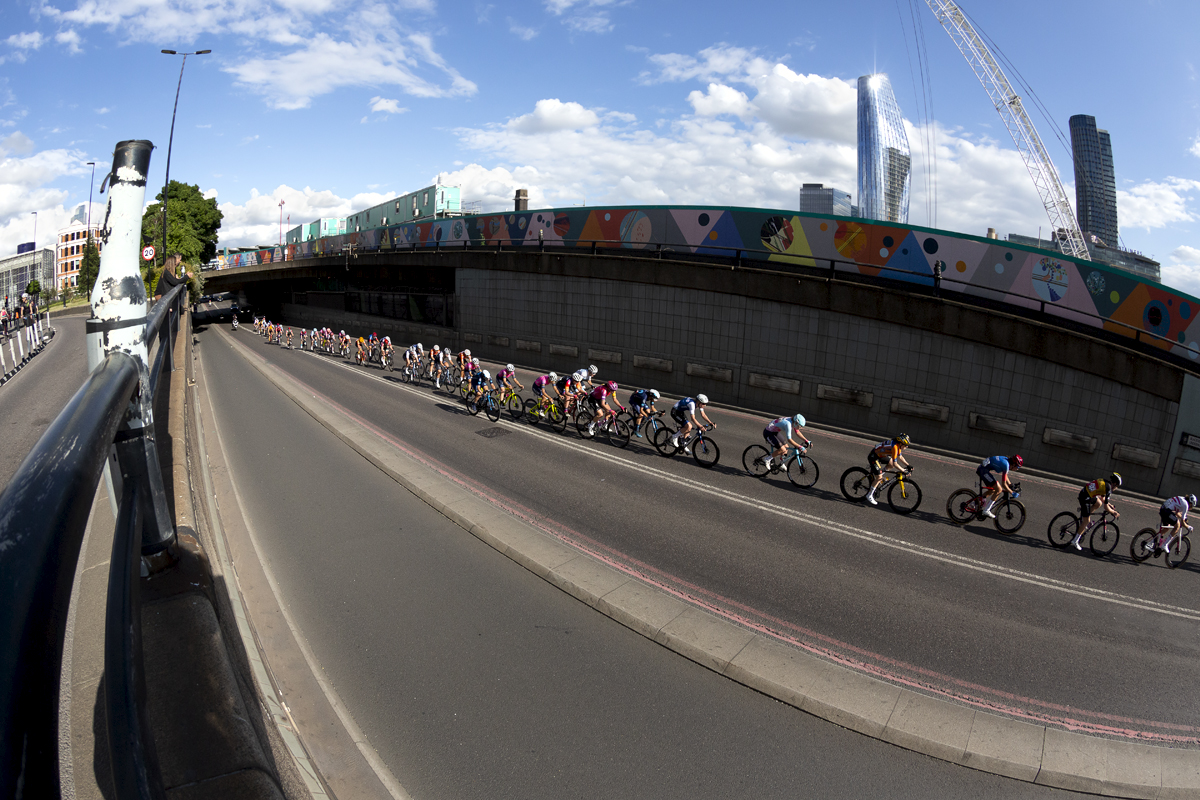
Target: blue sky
[(332, 107)]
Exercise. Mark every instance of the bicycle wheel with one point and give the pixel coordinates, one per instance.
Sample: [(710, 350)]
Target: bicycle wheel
[(1178, 552), (491, 407), (558, 420), (662, 442), (531, 411), (582, 420), (855, 483), (1104, 538), (1062, 529), (802, 471), (515, 408), (752, 460), (904, 497), (1010, 516), (961, 507), (1142, 546), (464, 388), (620, 433), (651, 427), (706, 452), (472, 406)]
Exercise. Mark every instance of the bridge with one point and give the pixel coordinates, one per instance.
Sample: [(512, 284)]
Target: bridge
[(366, 590)]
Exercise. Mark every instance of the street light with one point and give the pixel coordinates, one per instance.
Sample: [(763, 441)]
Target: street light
[(281, 222), (91, 164), (171, 139), (34, 229)]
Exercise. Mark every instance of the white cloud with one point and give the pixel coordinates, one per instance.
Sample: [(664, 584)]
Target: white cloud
[(17, 144), (1156, 204), (554, 115), (71, 39), (585, 16), (104, 110), (1183, 271), (520, 31), (719, 100), (386, 106), (26, 41), (257, 220), (1195, 148), (25, 178)]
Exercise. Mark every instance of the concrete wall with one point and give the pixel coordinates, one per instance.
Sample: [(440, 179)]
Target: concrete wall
[(1183, 461), (866, 374)]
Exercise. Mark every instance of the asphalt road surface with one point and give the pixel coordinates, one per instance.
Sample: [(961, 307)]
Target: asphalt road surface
[(34, 397), (472, 677)]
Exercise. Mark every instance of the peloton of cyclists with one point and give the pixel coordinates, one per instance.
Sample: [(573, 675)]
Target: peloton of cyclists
[(887, 456), (1094, 496)]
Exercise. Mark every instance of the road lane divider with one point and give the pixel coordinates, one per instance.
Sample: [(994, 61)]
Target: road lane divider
[(742, 649)]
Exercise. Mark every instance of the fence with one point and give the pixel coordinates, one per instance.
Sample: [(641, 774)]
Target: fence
[(44, 510)]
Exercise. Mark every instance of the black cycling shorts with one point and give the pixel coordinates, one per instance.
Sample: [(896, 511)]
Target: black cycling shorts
[(1168, 517), (1085, 503), (678, 416), (773, 439), (876, 465)]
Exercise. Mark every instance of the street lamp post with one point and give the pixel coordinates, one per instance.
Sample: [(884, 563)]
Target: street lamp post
[(34, 229), (281, 222), (171, 139), (91, 164)]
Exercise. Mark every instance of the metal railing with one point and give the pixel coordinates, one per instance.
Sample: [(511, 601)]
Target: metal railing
[(106, 428)]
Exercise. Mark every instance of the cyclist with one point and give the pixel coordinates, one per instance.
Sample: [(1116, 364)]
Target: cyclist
[(481, 381), (782, 432), (464, 360), (506, 377), (1173, 516), (991, 486), (641, 405), (684, 412), (385, 350), (361, 347), (1094, 495), (441, 367), (435, 360), (885, 456), (289, 337), (541, 385), (598, 401)]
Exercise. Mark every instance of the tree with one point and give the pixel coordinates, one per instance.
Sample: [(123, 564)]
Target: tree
[(34, 287), (192, 224), (89, 268)]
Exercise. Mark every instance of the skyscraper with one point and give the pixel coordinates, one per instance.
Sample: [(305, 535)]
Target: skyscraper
[(1095, 182), (884, 160), (817, 198)]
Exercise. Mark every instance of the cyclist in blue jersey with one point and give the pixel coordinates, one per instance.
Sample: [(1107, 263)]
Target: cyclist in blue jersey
[(481, 381), (782, 432), (988, 470), (684, 412), (641, 405)]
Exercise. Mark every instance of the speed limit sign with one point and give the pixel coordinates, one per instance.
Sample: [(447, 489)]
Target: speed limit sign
[(148, 253)]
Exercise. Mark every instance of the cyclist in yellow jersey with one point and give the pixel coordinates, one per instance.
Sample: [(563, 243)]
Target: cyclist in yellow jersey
[(885, 456), (1093, 496)]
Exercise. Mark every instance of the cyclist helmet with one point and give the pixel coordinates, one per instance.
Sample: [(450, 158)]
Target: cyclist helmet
[(467, 353), (419, 347), (903, 439), (1191, 498), (553, 376), (487, 376), (593, 369), (611, 386), (436, 348), (702, 399), (1017, 462), (475, 362), (799, 420), (343, 334), (654, 393), (510, 368), (1115, 480)]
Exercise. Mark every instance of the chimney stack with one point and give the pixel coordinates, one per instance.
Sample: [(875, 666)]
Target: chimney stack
[(521, 200)]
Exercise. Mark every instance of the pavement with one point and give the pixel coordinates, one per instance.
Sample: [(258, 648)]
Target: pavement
[(941, 728)]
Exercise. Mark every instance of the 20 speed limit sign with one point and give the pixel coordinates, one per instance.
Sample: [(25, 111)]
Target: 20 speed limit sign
[(148, 253)]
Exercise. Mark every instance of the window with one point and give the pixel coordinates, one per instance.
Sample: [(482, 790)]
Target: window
[(397, 206), (425, 201)]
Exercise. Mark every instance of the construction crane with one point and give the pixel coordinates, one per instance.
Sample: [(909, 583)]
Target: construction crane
[(1008, 105)]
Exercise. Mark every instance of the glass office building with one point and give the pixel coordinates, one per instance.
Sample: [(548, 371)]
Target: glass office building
[(817, 198), (1095, 181), (884, 158)]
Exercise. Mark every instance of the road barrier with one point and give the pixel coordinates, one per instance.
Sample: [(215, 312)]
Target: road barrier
[(105, 427)]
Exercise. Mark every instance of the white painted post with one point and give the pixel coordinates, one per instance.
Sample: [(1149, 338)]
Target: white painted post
[(12, 352), (21, 345), (3, 366)]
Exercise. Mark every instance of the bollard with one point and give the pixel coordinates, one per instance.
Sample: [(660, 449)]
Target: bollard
[(3, 366), (21, 346), (12, 352), (118, 324)]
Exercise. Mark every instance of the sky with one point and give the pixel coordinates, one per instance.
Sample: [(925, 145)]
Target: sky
[(332, 107)]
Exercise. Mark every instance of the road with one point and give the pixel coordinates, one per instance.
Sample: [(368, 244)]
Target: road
[(474, 678), (34, 397)]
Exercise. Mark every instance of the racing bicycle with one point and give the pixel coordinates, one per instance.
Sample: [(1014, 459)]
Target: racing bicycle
[(801, 469), (968, 504), (1104, 532), (704, 449), (903, 493), (1145, 545)]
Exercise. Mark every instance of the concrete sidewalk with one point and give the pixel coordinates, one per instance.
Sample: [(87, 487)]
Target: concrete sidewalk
[(916, 721), (211, 723)]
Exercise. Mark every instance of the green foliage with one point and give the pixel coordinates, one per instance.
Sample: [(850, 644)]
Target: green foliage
[(192, 224), (89, 268), (34, 287), (68, 294)]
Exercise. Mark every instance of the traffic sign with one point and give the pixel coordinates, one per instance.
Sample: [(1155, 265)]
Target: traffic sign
[(148, 253)]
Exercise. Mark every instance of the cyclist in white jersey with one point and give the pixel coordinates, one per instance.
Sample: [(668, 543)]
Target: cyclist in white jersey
[(782, 432), (1173, 516)]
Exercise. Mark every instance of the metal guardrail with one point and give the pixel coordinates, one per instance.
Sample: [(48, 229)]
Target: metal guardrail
[(106, 426), (843, 269)]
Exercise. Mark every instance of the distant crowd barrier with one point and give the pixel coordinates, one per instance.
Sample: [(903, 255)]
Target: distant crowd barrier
[(45, 508), (1084, 292)]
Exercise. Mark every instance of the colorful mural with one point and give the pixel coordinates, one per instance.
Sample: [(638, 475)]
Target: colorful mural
[(1098, 295)]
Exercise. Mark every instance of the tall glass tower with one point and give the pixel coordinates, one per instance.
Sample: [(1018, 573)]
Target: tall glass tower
[(1095, 183), (884, 160)]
